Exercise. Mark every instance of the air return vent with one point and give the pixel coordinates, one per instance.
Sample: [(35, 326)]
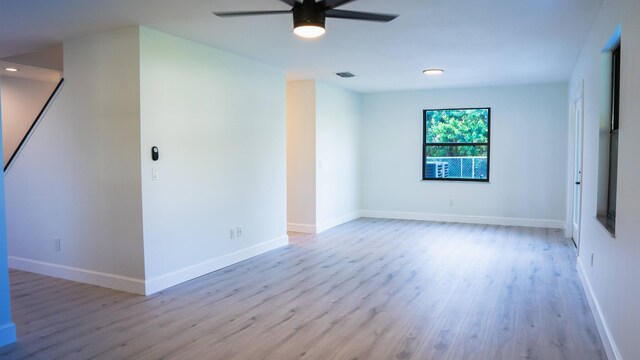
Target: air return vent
[(345, 74)]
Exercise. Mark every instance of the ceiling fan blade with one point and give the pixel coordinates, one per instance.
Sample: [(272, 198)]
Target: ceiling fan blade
[(330, 4), (248, 13), (358, 15)]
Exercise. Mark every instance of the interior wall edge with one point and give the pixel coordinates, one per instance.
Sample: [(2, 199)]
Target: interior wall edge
[(7, 327)]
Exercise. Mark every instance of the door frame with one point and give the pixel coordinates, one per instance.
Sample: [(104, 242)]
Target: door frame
[(577, 104)]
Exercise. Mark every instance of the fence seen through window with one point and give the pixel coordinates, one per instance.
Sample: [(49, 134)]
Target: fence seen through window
[(456, 144)]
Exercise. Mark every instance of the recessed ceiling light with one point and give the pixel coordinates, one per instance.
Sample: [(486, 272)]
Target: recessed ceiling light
[(433, 71), (11, 69)]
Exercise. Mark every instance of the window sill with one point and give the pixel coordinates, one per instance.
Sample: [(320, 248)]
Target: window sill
[(456, 181), (606, 224)]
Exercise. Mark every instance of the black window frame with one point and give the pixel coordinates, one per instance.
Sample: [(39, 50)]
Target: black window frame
[(425, 144), (614, 130)]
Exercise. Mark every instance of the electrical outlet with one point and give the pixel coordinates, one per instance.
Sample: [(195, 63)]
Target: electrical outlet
[(56, 244), (232, 234), (239, 232)]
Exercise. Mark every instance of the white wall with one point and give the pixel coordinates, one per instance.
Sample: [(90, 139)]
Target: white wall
[(50, 58), (338, 152), (7, 327), (85, 175), (528, 157), (612, 282), (301, 155), (219, 122), (323, 155), (22, 99), (78, 178)]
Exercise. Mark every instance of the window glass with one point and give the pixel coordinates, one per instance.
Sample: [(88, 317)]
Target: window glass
[(456, 144)]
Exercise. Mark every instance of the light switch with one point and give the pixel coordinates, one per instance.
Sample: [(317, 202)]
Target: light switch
[(155, 174)]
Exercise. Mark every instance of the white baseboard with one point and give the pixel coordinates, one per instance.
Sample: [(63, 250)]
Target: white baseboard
[(138, 286), (469, 219), (7, 334), (107, 280), (337, 221), (316, 229), (179, 276), (607, 340), (301, 228)]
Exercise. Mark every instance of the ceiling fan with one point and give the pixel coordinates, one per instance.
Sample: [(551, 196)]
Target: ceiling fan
[(309, 16)]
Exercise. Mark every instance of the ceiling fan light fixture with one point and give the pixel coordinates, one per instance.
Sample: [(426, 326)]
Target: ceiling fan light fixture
[(308, 19), (309, 31), (309, 15)]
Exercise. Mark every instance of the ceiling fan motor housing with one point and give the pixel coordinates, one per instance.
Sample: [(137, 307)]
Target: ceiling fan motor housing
[(308, 13)]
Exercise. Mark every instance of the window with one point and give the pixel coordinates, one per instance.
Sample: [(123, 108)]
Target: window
[(456, 144), (613, 138), (609, 129)]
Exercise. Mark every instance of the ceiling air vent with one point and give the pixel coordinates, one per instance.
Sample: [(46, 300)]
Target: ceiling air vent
[(345, 74)]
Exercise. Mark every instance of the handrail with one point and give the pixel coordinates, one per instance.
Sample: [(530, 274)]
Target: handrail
[(33, 125)]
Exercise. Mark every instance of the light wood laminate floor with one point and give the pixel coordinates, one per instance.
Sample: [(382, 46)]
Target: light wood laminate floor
[(369, 289)]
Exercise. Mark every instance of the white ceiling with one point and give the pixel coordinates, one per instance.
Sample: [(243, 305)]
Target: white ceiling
[(477, 42), (29, 72)]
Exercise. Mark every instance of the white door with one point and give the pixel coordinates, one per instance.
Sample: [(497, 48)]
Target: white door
[(577, 172)]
